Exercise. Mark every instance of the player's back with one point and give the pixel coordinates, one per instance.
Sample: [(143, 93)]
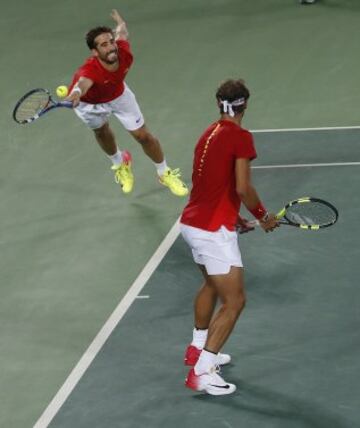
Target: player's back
[(213, 159), (213, 200)]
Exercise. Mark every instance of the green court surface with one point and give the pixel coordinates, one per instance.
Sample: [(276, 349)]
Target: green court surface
[(72, 245), (295, 349)]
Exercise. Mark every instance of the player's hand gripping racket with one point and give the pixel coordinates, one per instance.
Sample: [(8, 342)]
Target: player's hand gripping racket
[(34, 104), (305, 213)]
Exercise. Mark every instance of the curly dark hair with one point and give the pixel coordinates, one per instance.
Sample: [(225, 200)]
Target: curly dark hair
[(231, 90), (93, 33)]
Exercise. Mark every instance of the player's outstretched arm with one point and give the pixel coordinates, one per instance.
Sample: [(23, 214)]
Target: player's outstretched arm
[(121, 31), (79, 90)]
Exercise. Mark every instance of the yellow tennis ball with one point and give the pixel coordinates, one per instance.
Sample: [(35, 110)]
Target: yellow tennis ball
[(62, 91)]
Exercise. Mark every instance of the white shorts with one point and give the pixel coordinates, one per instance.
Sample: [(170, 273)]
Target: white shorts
[(217, 251), (125, 108)]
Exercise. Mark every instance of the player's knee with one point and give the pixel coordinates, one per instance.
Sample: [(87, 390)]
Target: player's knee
[(100, 132), (143, 137)]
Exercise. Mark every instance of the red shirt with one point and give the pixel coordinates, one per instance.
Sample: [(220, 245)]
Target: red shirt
[(213, 200), (108, 85)]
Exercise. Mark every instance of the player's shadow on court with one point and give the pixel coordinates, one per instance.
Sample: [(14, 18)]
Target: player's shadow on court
[(289, 411)]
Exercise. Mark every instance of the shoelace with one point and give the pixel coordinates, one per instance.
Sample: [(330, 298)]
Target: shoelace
[(123, 172), (216, 369), (175, 173)]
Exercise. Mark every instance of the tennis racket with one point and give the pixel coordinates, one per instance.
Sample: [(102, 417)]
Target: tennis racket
[(306, 213), (34, 104)]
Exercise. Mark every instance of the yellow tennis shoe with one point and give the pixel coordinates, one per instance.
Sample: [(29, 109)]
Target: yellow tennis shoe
[(171, 179), (123, 173)]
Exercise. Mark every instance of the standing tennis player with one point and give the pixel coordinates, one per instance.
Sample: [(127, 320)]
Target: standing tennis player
[(221, 181), (98, 90)]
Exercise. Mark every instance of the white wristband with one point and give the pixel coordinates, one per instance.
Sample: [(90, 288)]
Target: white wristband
[(76, 89)]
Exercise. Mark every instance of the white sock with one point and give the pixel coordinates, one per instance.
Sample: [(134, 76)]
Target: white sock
[(116, 159), (206, 361), (199, 338), (161, 167)]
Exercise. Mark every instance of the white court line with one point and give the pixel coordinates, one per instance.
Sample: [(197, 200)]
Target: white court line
[(107, 329), (133, 292), (305, 165), (325, 128)]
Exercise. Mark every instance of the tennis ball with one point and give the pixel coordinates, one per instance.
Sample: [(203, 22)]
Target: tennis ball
[(62, 91)]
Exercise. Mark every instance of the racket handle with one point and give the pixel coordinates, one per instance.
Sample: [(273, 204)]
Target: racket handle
[(250, 225), (67, 104), (254, 223)]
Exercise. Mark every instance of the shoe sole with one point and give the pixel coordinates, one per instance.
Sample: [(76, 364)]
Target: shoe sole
[(211, 390), (221, 391), (185, 193)]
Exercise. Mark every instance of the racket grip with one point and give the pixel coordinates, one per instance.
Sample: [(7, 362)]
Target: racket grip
[(67, 104), (250, 225)]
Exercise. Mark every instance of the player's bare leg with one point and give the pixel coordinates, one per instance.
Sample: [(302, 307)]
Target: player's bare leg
[(121, 160), (106, 139), (149, 144), (204, 303), (204, 306), (152, 148), (204, 376), (230, 289)]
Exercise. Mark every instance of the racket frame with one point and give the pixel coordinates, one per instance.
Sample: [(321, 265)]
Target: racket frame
[(282, 219), (51, 104)]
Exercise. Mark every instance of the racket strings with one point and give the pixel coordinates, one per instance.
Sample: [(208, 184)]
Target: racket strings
[(32, 105), (309, 214)]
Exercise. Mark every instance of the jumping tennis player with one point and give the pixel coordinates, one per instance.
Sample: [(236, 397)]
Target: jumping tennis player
[(221, 181), (98, 90)]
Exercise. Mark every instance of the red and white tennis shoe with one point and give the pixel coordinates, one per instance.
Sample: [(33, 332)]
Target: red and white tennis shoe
[(192, 354), (211, 383)]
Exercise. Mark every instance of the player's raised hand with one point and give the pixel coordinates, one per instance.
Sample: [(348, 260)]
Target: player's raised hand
[(121, 32), (116, 16)]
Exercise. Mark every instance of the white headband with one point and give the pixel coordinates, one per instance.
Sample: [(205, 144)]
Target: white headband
[(227, 106)]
